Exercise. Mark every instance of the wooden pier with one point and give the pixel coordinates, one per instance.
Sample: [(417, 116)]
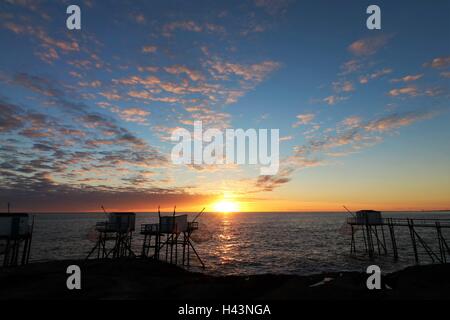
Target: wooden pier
[(115, 236), (15, 234), (379, 235), (169, 239)]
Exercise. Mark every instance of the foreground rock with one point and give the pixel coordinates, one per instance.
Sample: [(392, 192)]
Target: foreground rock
[(144, 279)]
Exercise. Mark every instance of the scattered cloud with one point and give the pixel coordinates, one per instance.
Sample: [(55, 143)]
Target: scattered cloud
[(303, 119), (149, 49), (333, 99), (352, 122), (179, 69), (351, 66), (191, 26), (343, 86), (397, 120), (273, 7), (269, 183), (139, 18), (254, 72), (410, 91), (408, 78), (377, 74), (439, 62), (368, 46), (137, 115)]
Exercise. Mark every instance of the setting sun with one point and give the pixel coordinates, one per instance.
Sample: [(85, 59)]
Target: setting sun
[(226, 206)]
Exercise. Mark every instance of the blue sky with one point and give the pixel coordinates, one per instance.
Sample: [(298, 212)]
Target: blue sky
[(363, 114)]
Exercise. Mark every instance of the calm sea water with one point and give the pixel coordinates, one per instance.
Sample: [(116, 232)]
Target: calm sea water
[(243, 243)]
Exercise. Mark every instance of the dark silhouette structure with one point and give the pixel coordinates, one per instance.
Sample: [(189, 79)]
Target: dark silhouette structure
[(115, 236), (169, 238), (16, 234), (372, 226)]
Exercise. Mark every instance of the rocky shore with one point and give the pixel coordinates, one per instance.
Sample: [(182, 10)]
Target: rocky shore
[(145, 279)]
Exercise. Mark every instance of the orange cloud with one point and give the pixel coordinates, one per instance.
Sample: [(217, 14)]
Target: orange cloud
[(149, 49), (368, 46), (303, 119), (331, 100), (411, 91), (365, 79), (397, 120), (408, 78), (179, 69), (137, 115), (439, 62)]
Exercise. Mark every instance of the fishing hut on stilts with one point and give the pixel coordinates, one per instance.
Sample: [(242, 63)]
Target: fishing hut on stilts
[(114, 236), (170, 239), (16, 234), (379, 235)]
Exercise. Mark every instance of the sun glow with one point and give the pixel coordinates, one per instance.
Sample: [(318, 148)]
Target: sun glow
[(226, 206)]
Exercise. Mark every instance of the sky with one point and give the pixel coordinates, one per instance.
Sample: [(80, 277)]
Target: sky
[(86, 115)]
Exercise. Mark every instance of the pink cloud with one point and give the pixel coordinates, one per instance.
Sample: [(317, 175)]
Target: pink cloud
[(303, 119), (411, 91), (408, 78), (149, 49), (439, 62), (368, 46)]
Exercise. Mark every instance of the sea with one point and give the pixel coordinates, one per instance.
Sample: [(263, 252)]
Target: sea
[(248, 243)]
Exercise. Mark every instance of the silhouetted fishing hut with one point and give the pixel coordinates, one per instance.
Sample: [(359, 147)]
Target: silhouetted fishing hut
[(15, 238), (169, 238), (115, 236), (372, 226)]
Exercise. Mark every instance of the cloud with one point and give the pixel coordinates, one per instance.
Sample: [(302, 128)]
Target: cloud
[(111, 95), (40, 194), (146, 95), (351, 66), (36, 84), (377, 74), (137, 115), (92, 84), (269, 183), (438, 63), (396, 121), (149, 49), (139, 18), (223, 83), (179, 69), (10, 117), (187, 25), (333, 99), (44, 126), (368, 46), (148, 82), (410, 91), (273, 7), (191, 26), (408, 78), (352, 135), (151, 69), (51, 46), (254, 72), (286, 138), (303, 119), (352, 122), (343, 86)]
